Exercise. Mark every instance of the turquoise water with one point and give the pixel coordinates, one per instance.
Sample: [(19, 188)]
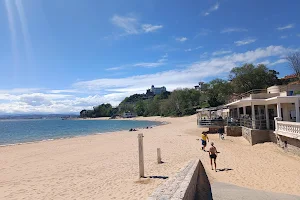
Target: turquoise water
[(20, 131)]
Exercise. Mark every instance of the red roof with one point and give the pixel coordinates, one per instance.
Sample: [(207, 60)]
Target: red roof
[(290, 76)]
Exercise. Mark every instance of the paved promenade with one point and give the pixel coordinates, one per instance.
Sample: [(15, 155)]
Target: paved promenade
[(224, 191)]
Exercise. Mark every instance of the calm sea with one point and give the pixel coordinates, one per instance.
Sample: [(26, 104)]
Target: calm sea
[(20, 131)]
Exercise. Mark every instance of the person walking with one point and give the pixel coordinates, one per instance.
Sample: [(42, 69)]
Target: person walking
[(204, 139), (221, 133), (213, 156)]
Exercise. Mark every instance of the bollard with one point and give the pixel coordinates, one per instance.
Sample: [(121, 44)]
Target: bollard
[(141, 155), (158, 156)]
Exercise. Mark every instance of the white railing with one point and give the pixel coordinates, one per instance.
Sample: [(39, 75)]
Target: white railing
[(288, 129)]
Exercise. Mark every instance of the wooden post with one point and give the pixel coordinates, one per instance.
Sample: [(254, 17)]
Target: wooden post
[(158, 156), (141, 155)]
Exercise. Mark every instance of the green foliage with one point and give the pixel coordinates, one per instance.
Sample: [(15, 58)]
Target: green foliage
[(103, 110), (218, 92), (133, 98), (140, 108), (249, 77)]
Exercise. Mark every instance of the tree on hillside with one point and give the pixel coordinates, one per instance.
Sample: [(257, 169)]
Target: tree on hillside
[(140, 108), (249, 77), (181, 102), (103, 110), (294, 63), (218, 92)]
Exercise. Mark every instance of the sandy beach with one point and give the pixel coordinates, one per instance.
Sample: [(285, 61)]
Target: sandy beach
[(106, 166)]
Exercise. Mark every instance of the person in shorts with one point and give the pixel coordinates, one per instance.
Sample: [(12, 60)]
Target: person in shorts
[(213, 156), (204, 140)]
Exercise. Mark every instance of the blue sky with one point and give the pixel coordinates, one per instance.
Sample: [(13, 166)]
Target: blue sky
[(62, 56)]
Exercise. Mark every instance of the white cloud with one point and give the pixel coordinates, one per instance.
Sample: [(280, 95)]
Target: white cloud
[(244, 42), (265, 62), (150, 65), (222, 52), (298, 35), (212, 9), (160, 62), (230, 30), (63, 91), (131, 25), (283, 36), (115, 90), (278, 62), (181, 39), (114, 68), (190, 49), (151, 28), (289, 26)]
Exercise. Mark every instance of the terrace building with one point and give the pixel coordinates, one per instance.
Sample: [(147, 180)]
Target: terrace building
[(269, 115)]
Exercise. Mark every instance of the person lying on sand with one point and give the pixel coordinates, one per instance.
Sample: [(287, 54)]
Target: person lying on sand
[(213, 155)]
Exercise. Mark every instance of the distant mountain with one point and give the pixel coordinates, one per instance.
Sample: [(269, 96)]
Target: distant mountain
[(38, 116)]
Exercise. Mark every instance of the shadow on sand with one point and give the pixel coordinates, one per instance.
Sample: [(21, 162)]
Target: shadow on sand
[(224, 170), (158, 177)]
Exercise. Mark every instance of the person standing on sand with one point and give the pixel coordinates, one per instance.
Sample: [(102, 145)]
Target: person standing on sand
[(204, 137), (213, 155)]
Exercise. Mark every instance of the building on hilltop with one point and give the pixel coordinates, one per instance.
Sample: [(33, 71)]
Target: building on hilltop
[(156, 90), (200, 86)]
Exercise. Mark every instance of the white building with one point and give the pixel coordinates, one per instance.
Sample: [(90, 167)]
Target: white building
[(128, 115), (269, 115), (199, 86), (276, 101), (157, 90)]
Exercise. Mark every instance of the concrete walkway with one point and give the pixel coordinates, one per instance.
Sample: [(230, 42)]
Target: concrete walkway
[(224, 191)]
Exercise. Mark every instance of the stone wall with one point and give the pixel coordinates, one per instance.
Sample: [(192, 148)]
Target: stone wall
[(255, 136), (233, 131), (246, 133), (289, 144), (189, 183), (273, 137)]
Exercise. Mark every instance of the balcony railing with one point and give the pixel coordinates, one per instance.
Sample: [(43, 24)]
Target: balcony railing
[(237, 97), (249, 123), (288, 129), (211, 123)]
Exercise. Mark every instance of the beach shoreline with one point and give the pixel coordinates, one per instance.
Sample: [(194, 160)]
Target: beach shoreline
[(105, 166), (96, 133)]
